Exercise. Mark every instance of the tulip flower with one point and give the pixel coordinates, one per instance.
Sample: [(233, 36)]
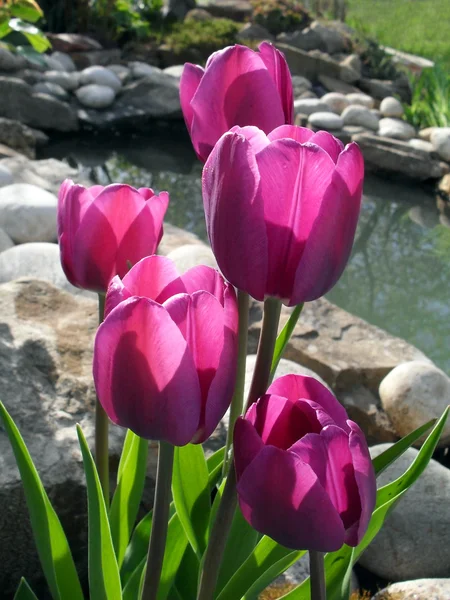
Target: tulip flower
[(237, 87), (102, 230), (281, 210), (304, 472), (165, 355)]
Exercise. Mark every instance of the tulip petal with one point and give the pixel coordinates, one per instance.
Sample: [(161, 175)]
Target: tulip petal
[(257, 138), (331, 237), (293, 132), (115, 294), (144, 373), (189, 82), (329, 143), (365, 479), (329, 456), (294, 179), (154, 277), (246, 443), (234, 214), (204, 278), (230, 93), (296, 387), (158, 207), (277, 66), (281, 496)]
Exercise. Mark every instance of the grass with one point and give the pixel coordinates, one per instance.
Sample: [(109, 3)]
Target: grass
[(417, 26), (430, 106)]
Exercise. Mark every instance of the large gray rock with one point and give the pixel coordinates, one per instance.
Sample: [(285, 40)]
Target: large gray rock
[(141, 69), (396, 128), (326, 120), (28, 213), (440, 139), (6, 177), (65, 61), (100, 76), (255, 32), (305, 39), (18, 136), (52, 89), (95, 96), (333, 40), (360, 115), (174, 237), (312, 64), (9, 61), (406, 547), (412, 394), (37, 110), (191, 255), (122, 72), (300, 85), (417, 589), (5, 241), (68, 81)]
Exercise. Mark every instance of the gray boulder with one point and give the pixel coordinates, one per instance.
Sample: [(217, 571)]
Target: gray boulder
[(68, 81), (6, 177), (96, 96), (65, 61), (396, 128), (100, 76), (52, 89), (417, 589)]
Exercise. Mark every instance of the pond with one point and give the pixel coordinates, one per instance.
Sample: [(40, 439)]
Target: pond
[(398, 275)]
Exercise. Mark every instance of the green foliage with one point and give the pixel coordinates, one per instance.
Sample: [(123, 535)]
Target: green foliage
[(205, 36), (14, 17), (124, 20), (376, 62), (430, 105), (278, 16)]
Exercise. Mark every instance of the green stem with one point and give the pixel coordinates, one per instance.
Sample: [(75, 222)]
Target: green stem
[(225, 512), (101, 428), (157, 545), (237, 402), (317, 575), (267, 340)]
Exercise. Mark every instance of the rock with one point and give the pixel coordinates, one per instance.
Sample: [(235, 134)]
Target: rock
[(96, 58), (46, 380), (253, 31), (336, 101), (9, 61), (122, 72), (300, 84), (52, 64), (391, 107), (156, 95), (405, 548), (360, 115), (37, 110), (174, 71), (178, 9), (425, 134), (326, 120), (341, 348), (52, 89), (353, 62), (72, 42), (307, 94), (141, 69), (440, 139), (398, 157), (413, 63), (192, 255), (336, 85), (305, 39), (381, 88), (361, 100), (6, 177), (332, 40), (28, 213), (348, 74), (100, 76), (421, 145), (310, 64), (427, 216), (412, 394), (236, 10), (417, 589), (174, 237), (65, 61), (396, 128), (18, 136), (308, 106), (29, 76), (198, 14), (5, 241), (68, 81), (95, 96)]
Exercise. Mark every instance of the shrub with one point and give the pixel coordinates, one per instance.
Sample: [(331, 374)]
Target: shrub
[(204, 36), (278, 16), (430, 105)]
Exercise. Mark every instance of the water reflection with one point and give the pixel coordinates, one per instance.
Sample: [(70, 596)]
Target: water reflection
[(398, 275)]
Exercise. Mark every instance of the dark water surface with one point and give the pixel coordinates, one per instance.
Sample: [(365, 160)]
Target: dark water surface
[(398, 276)]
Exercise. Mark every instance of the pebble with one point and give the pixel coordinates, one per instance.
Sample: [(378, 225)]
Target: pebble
[(52, 89), (100, 76), (95, 96), (361, 100), (391, 107), (308, 106), (417, 589), (6, 177), (396, 129), (336, 101), (440, 138), (360, 115), (326, 120), (68, 81)]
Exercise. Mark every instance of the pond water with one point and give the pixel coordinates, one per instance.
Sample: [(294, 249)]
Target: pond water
[(398, 275)]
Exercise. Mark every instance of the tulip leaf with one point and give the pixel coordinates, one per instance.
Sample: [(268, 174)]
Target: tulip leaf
[(132, 587), (104, 580), (284, 337), (266, 554), (176, 546), (191, 494), (128, 494), (51, 542), (337, 563), (24, 592), (187, 575)]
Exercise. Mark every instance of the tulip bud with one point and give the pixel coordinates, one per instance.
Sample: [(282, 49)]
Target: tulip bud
[(281, 210), (237, 87), (102, 230), (304, 473), (165, 355)]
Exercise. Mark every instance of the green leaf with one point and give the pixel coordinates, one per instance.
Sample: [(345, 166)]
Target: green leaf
[(283, 338), (266, 554), (214, 464), (187, 576), (191, 494), (104, 580), (24, 592), (51, 542), (34, 35), (31, 55), (132, 587), (128, 494), (176, 546), (271, 574), (27, 10), (4, 29)]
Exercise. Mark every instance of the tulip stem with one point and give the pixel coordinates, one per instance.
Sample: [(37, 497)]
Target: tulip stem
[(101, 428), (266, 346), (317, 575), (237, 403), (157, 544), (218, 538)]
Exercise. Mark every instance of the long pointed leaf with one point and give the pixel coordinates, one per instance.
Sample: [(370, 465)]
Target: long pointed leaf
[(191, 494), (24, 592), (128, 494), (51, 542), (176, 545), (283, 338), (104, 580)]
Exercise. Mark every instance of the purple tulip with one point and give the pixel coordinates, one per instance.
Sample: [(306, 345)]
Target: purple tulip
[(281, 210), (304, 472), (237, 87), (102, 230), (165, 355)]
